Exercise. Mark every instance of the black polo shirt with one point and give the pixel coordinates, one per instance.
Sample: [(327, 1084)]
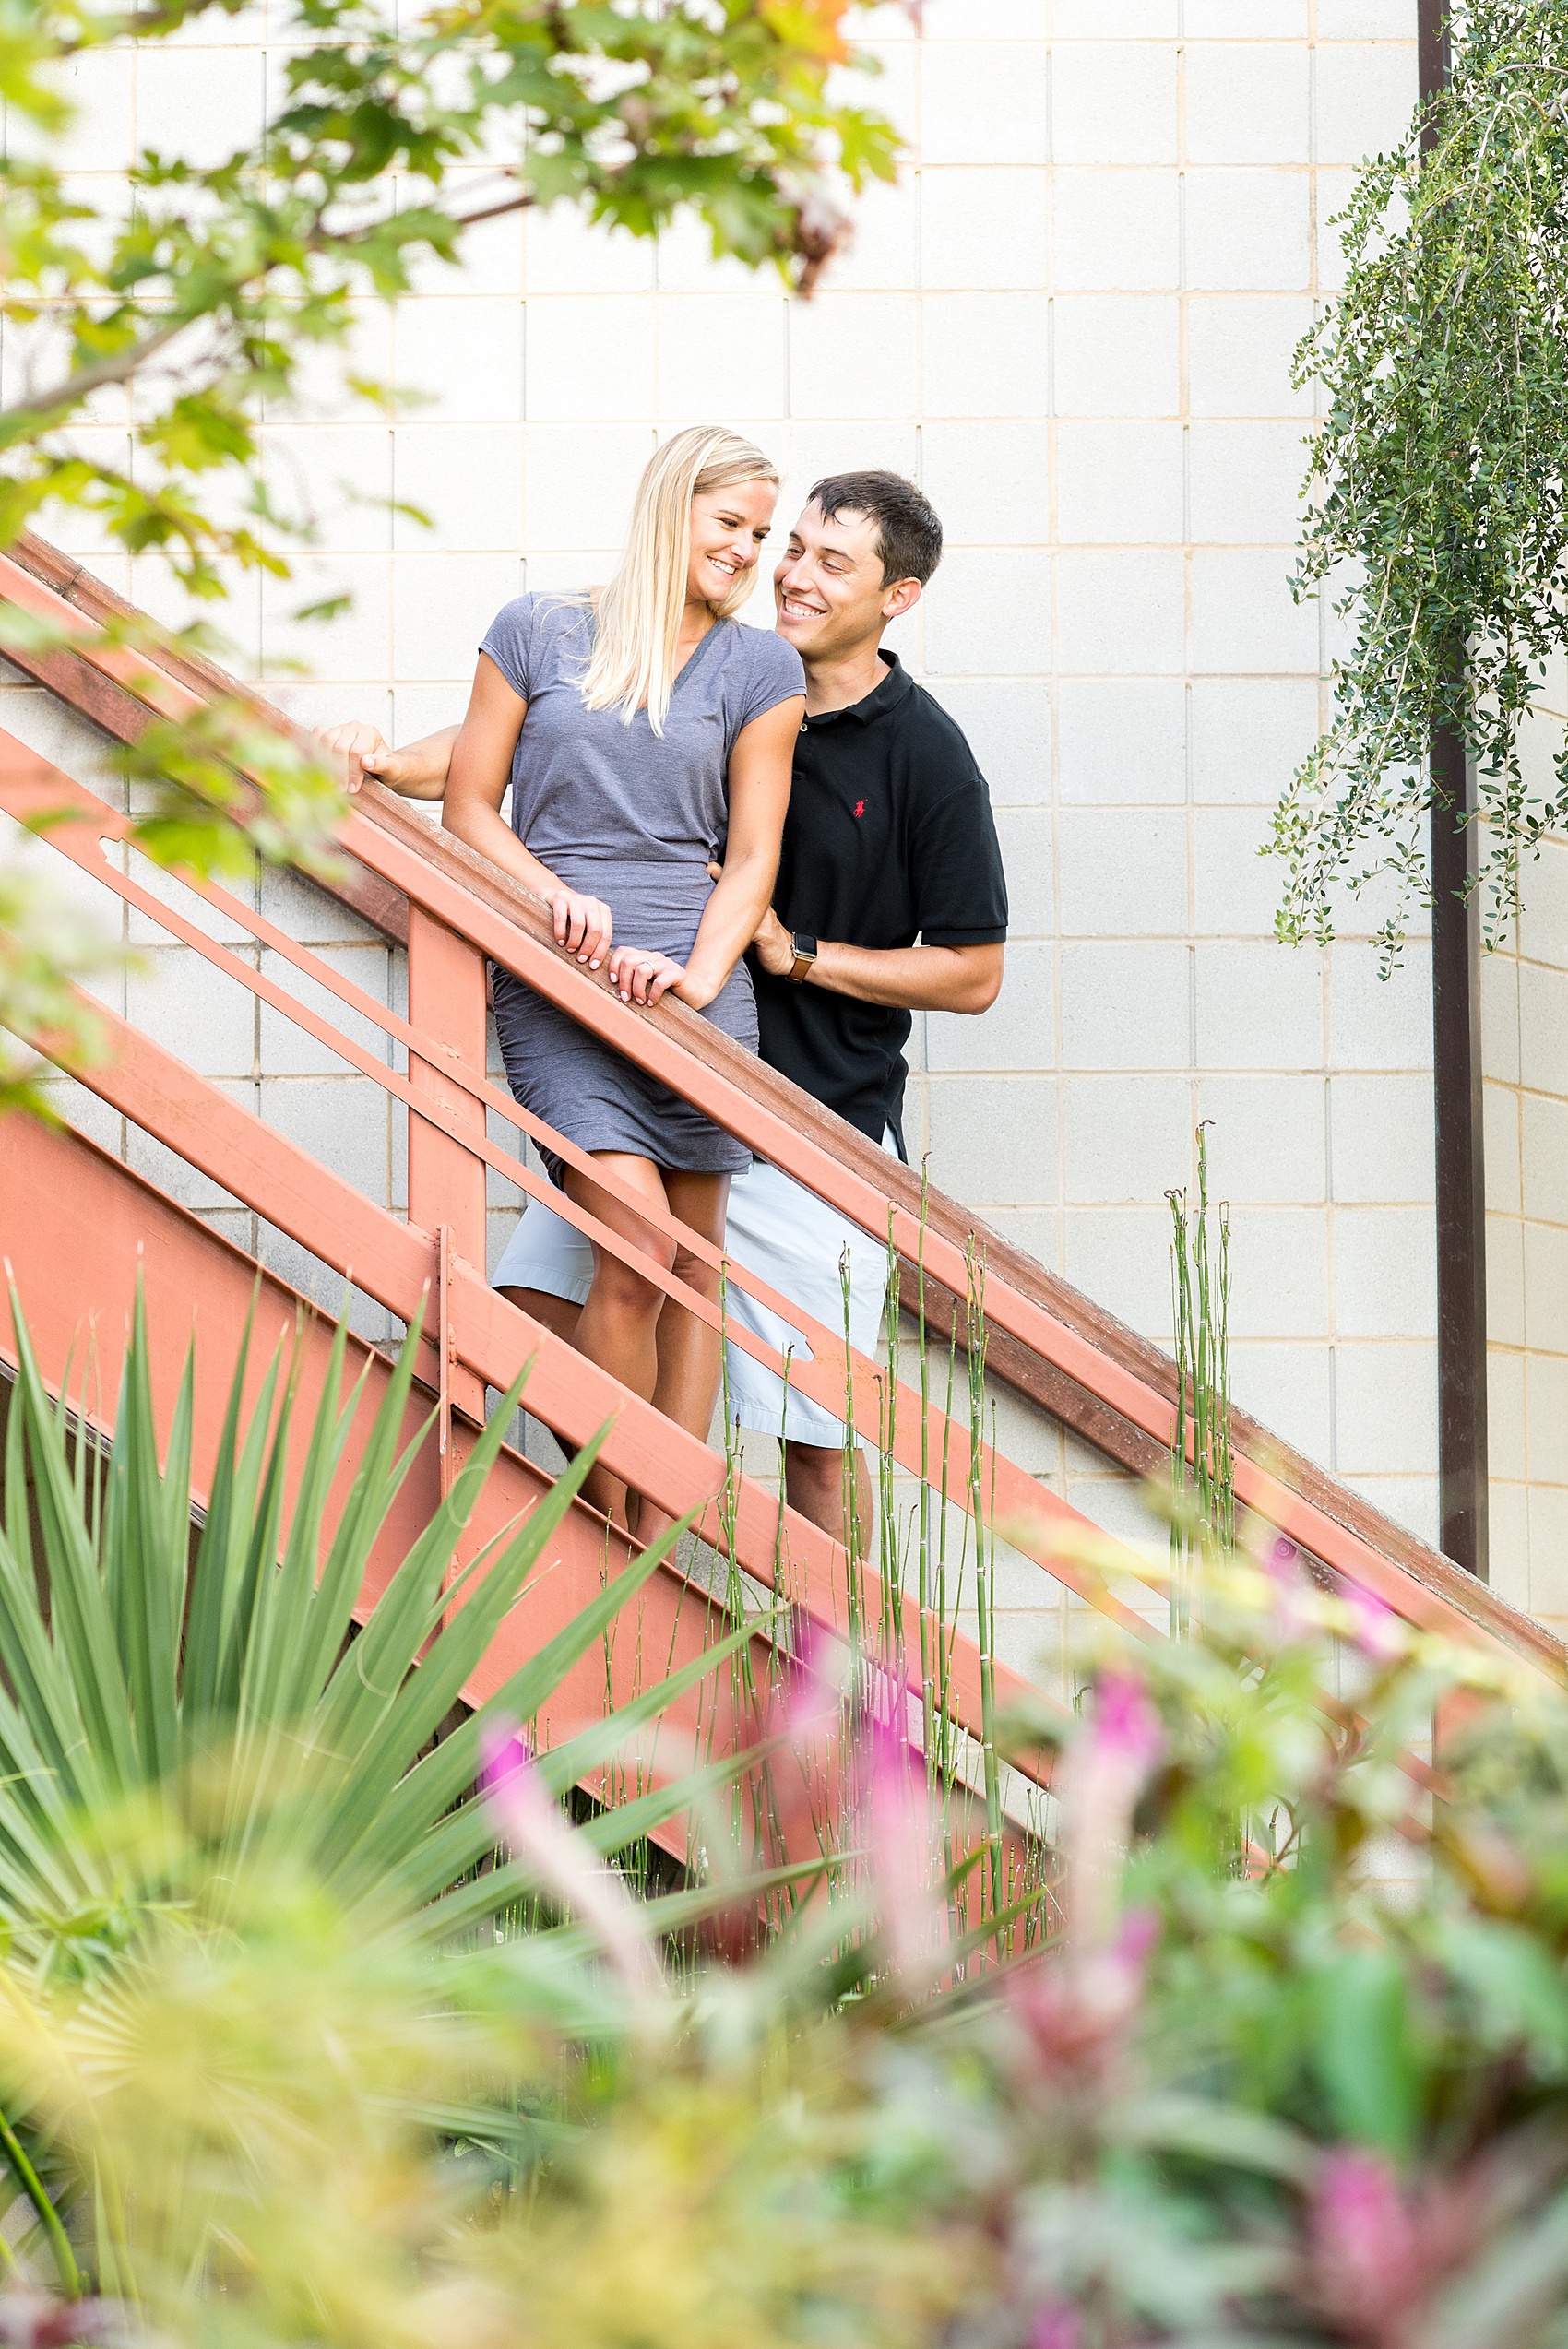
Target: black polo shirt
[(889, 839)]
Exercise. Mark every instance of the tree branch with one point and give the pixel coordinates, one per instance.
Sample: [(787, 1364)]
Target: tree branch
[(118, 369)]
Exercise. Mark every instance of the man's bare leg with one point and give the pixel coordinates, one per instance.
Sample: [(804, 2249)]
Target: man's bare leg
[(689, 1350), (814, 1483), (557, 1314)]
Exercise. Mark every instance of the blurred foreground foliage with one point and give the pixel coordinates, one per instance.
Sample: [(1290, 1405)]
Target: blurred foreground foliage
[(313, 2030)]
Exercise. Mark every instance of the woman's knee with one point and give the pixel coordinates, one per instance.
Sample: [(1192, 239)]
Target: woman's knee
[(624, 1292)]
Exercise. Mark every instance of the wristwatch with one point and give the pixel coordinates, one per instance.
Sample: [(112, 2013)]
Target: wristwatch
[(805, 953)]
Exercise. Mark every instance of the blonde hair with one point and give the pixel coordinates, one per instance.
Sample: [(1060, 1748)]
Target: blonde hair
[(640, 613)]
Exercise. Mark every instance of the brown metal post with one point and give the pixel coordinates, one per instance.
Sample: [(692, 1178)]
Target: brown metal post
[(1456, 1083)]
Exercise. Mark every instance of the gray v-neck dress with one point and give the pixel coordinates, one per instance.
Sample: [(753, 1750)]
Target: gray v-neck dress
[(634, 818)]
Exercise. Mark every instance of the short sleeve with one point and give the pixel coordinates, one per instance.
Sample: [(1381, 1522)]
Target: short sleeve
[(959, 887), (775, 673), (510, 642)]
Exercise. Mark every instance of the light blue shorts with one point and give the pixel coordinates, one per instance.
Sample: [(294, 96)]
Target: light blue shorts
[(787, 1236)]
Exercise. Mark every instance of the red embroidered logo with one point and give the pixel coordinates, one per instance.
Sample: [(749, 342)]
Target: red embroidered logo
[(860, 807)]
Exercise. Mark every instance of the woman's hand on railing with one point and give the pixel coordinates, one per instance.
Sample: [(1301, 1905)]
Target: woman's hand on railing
[(584, 926), (641, 975), (417, 773)]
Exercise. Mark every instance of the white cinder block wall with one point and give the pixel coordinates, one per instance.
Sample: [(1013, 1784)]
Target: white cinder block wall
[(1072, 322)]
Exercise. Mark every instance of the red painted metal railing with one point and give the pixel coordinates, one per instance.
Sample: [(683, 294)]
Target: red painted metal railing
[(458, 912)]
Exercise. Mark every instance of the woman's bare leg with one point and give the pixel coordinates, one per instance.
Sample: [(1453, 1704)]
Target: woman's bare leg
[(618, 1325), (688, 1350)]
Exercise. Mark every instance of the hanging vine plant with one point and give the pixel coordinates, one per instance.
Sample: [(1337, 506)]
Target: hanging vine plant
[(1438, 482)]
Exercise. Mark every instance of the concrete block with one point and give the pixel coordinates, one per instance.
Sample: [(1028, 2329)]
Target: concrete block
[(1018, 1032), (307, 913), (1126, 1139), (1118, 483), (99, 87), (1123, 741), (1125, 1005), (1410, 1502), (343, 1121), (143, 929), (1381, 1135), (1377, 1023), (1259, 1007), (322, 391), (1385, 1410), (351, 645), (749, 329), (467, 355), (1007, 724), (1366, 95), (1543, 923), (989, 614), (981, 354), (991, 482), (1123, 872), (1115, 19), (174, 1175), (1245, 483), (1031, 1230), (1546, 1409), (1543, 1027), (1245, 20), (1025, 837), (1248, 230), (851, 445), (1509, 1542), (1500, 1116), (468, 479), (194, 1010), (1335, 189), (1236, 888), (288, 1050), (1238, 352), (566, 250), (984, 229), (336, 478), (1278, 1273), (984, 101), (847, 351), (947, 20), (1121, 611), (1117, 230), (1384, 1272), (1290, 1389), (1542, 1321), (1506, 1455), (1248, 102), (993, 1139), (1249, 737), (442, 605), (85, 1113), (1117, 354), (1268, 1141), (1502, 1045), (1505, 1278), (198, 104), (1113, 103), (1244, 617), (1543, 1128), (1365, 21), (579, 481), (590, 356), (1123, 1261), (1549, 1554), (885, 253)]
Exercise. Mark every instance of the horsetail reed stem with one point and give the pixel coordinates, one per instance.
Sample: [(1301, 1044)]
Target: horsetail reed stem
[(1203, 1524)]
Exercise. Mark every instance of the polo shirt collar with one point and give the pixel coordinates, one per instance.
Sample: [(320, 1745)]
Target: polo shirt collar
[(883, 697)]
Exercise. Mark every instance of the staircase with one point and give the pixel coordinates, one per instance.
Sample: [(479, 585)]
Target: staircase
[(77, 1226)]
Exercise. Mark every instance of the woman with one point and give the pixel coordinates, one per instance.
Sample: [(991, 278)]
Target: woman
[(645, 734)]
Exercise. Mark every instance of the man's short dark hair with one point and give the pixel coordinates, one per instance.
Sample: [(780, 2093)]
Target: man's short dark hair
[(908, 536)]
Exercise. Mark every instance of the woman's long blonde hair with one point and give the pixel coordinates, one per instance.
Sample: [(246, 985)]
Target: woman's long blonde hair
[(639, 611)]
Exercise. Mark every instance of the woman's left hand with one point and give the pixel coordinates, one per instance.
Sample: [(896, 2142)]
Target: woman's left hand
[(641, 975)]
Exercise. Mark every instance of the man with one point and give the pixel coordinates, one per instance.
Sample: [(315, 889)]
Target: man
[(890, 899)]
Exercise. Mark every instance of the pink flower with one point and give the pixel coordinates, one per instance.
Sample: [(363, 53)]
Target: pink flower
[(898, 1833), (1283, 1567), (540, 1837), (1127, 1725), (1378, 2253), (1376, 1630), (1078, 2011), (1058, 2326), (1108, 1762)]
